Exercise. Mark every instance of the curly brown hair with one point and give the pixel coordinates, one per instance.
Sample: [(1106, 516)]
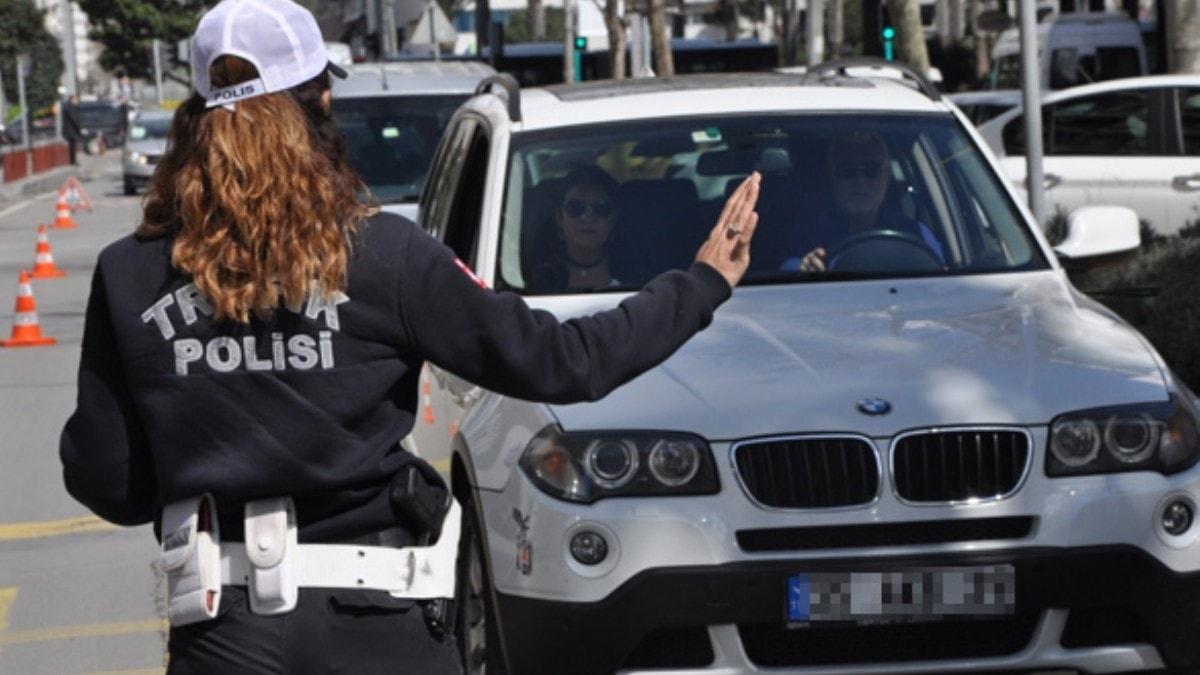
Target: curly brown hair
[(260, 201)]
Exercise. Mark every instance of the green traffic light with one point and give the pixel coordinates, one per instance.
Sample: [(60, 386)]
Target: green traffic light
[(580, 43), (889, 33)]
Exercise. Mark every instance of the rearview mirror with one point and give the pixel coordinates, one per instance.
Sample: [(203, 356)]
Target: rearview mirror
[(1097, 235), (743, 161)]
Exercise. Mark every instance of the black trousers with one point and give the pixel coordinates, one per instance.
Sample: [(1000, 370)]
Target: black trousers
[(330, 631)]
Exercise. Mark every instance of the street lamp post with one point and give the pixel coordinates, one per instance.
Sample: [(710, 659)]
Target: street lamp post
[(1031, 99)]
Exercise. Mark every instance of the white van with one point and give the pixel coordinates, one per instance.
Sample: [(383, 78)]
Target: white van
[(1074, 49)]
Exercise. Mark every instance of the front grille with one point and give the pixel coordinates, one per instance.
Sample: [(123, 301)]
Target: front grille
[(958, 465), (884, 534), (1101, 626), (673, 648), (774, 645), (153, 159), (809, 472)]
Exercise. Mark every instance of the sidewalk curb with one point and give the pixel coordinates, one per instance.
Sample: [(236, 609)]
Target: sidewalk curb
[(39, 183)]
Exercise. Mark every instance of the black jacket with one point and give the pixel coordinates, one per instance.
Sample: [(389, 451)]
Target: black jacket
[(313, 403)]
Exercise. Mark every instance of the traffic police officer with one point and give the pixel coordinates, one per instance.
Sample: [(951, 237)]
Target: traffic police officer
[(250, 362)]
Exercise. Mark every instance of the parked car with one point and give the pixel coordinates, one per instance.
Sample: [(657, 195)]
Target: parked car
[(393, 115), (1073, 49), (934, 456), (981, 106), (146, 145), (1132, 142), (103, 123)]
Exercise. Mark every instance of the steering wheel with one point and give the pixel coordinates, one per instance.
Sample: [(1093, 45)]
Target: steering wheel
[(882, 251)]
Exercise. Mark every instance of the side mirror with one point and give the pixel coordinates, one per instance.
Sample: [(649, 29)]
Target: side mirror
[(1098, 235)]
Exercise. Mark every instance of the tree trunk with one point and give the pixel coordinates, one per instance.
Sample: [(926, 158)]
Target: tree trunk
[(836, 25), (729, 14), (910, 39), (1183, 36), (616, 37), (537, 20), (664, 61)]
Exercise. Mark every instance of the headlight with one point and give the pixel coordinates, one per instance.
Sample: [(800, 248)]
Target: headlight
[(137, 157), (590, 466), (1158, 437)]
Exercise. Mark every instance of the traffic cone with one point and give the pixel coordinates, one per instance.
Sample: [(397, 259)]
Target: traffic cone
[(426, 390), (62, 214), (26, 332), (43, 262)]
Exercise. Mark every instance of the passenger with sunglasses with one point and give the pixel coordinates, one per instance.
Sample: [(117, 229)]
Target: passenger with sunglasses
[(859, 166), (584, 220)]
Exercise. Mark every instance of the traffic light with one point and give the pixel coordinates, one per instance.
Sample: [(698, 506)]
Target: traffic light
[(889, 36), (577, 56)]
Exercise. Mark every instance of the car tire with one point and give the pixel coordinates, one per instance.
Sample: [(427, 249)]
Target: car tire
[(130, 188), (475, 620)]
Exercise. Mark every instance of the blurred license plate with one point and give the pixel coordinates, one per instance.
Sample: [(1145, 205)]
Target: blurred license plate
[(901, 595)]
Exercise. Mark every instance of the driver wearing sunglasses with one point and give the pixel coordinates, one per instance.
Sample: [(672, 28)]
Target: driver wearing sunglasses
[(584, 220), (860, 170)]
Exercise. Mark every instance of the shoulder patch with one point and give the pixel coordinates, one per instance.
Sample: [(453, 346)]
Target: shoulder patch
[(471, 275)]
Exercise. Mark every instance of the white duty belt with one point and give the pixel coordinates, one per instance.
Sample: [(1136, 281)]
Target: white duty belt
[(273, 565)]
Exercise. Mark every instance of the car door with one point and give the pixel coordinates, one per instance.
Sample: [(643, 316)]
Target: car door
[(1185, 169), (452, 213), (1104, 148)]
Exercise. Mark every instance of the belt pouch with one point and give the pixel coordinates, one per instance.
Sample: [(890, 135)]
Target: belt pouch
[(191, 559), (271, 547)]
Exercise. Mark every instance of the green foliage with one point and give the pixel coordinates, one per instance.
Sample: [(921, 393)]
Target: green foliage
[(22, 31), (1156, 292), (516, 28), (127, 28)]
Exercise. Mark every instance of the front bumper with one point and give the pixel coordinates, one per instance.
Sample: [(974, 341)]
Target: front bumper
[(1102, 609)]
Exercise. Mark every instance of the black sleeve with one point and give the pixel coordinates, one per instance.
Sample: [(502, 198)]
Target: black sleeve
[(495, 340), (106, 459)]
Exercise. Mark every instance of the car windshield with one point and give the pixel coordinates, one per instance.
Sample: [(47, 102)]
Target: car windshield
[(390, 140), (99, 115), (609, 207), (144, 129)]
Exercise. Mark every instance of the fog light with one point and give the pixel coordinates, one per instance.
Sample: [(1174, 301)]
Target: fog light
[(589, 547), (1177, 517)]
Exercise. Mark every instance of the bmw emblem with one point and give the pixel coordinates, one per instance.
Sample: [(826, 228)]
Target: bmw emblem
[(874, 406)]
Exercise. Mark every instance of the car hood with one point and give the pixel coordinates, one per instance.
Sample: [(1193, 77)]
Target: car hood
[(148, 146), (1017, 348), (406, 209)]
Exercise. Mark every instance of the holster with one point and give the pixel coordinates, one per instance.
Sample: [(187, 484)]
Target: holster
[(191, 559), (271, 547)]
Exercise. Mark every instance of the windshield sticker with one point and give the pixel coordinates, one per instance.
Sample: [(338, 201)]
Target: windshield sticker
[(137, 133), (391, 132), (707, 135)]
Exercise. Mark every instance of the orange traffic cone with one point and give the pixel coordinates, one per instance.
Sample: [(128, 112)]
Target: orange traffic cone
[(26, 332), (427, 412), (43, 262), (62, 214)]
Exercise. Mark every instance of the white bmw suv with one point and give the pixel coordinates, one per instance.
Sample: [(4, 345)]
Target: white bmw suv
[(906, 444)]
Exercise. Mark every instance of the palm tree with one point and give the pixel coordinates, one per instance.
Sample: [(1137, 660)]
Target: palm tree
[(664, 61), (910, 39), (1183, 36), (617, 26)]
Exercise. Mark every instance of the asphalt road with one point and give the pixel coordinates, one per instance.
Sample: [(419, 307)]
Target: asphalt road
[(76, 595)]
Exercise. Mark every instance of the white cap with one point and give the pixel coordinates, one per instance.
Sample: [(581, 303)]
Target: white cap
[(278, 37)]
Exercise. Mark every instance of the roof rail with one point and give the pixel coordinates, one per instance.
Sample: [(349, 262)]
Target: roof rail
[(512, 90), (841, 65)]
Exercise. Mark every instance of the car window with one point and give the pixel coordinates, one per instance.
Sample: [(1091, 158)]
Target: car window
[(462, 224), (1006, 74), (1105, 124), (144, 129), (390, 140), (1189, 117), (609, 207), (438, 198)]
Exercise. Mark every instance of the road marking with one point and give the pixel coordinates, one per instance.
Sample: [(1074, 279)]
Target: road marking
[(91, 630), (7, 595), (15, 207), (53, 528)]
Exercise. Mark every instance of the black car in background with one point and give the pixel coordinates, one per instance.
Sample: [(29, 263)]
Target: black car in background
[(103, 120)]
